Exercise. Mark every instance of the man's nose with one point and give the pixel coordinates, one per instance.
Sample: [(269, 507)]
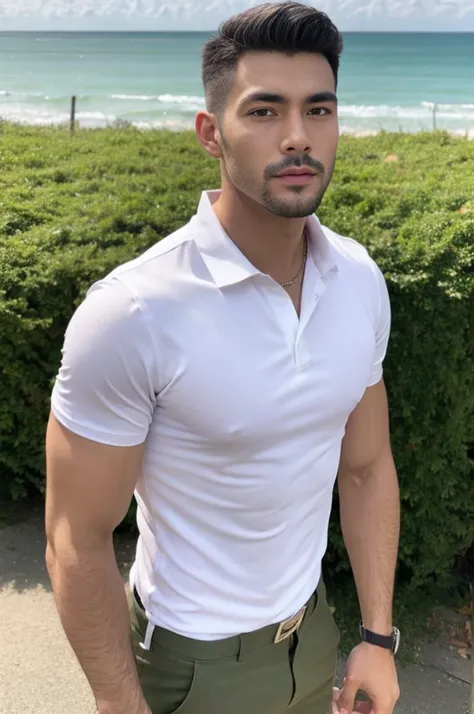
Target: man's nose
[(297, 140)]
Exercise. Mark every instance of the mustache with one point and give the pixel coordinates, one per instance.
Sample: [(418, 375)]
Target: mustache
[(294, 163)]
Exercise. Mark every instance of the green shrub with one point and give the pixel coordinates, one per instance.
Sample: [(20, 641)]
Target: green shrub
[(73, 208)]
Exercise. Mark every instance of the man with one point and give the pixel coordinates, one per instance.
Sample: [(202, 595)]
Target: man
[(225, 377)]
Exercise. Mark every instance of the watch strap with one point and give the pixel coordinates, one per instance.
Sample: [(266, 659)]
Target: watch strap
[(388, 642)]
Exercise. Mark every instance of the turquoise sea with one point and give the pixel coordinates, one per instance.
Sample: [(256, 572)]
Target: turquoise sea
[(388, 81)]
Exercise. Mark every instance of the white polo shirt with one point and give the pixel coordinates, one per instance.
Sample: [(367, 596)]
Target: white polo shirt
[(242, 406)]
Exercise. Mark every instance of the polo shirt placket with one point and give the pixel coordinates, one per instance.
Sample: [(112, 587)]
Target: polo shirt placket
[(228, 266), (292, 326)]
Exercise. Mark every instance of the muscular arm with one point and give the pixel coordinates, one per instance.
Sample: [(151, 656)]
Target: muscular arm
[(89, 490), (370, 507)]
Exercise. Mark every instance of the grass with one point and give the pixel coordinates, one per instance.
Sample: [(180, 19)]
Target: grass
[(73, 208)]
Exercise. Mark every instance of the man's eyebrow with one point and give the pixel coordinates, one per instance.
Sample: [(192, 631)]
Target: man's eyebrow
[(322, 97), (267, 97), (271, 98)]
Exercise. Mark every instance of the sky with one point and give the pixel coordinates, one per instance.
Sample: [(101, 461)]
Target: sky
[(155, 15)]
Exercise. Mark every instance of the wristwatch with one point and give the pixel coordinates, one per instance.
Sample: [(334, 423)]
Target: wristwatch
[(390, 642)]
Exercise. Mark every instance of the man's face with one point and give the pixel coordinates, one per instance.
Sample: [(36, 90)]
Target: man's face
[(281, 114)]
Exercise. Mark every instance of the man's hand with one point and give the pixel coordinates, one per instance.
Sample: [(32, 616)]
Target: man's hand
[(371, 669), (359, 707)]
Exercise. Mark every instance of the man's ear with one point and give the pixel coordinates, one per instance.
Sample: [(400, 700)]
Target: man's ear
[(207, 131)]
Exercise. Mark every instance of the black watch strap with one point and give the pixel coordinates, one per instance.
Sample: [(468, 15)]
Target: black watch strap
[(390, 642)]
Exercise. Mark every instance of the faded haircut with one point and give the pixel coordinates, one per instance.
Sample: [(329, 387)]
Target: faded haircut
[(290, 28)]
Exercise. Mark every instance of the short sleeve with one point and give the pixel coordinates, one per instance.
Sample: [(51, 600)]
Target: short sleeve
[(382, 329), (107, 384)]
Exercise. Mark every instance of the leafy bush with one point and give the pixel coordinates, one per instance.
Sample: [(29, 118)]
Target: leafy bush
[(73, 208)]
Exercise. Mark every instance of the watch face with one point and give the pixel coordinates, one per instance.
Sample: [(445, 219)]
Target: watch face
[(397, 639)]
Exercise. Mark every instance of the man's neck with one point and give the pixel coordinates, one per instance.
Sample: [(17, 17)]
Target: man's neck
[(274, 245)]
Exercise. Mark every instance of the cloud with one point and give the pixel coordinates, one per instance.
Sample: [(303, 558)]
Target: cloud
[(402, 8), (189, 8)]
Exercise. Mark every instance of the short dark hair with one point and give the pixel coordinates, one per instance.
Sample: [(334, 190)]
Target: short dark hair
[(289, 27)]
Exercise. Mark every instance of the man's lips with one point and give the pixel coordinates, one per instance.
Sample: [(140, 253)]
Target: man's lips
[(304, 171), (297, 177)]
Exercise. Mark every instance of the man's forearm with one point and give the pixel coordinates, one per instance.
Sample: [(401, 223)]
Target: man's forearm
[(370, 519), (92, 605)]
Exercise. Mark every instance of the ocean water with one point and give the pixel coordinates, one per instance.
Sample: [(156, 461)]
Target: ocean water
[(387, 81)]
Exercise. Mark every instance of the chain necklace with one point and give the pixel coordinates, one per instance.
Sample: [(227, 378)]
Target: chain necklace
[(301, 270)]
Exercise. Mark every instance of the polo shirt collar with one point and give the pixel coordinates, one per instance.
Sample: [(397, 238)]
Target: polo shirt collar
[(322, 250), (227, 264)]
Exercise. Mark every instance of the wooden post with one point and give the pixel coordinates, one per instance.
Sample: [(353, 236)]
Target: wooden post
[(73, 114)]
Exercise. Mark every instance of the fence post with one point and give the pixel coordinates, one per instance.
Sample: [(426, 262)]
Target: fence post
[(435, 107), (73, 114)]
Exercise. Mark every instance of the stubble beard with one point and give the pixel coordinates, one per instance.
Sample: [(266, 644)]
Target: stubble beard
[(292, 209), (277, 206)]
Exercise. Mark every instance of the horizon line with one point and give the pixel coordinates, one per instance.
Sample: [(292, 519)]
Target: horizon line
[(199, 32)]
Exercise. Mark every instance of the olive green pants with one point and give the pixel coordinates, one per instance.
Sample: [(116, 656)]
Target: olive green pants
[(249, 674)]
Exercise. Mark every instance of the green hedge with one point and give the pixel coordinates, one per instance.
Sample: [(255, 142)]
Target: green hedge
[(72, 209)]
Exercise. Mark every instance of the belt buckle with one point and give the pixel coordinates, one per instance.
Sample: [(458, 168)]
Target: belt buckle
[(288, 627)]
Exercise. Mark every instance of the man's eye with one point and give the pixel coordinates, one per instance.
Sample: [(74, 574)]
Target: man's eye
[(261, 112), (321, 111)]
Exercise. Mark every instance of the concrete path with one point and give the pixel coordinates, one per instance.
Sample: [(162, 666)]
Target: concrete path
[(39, 673)]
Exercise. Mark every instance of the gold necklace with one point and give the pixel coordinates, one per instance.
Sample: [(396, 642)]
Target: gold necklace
[(301, 270)]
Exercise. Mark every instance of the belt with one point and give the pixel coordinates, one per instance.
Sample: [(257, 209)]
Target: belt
[(217, 649)]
